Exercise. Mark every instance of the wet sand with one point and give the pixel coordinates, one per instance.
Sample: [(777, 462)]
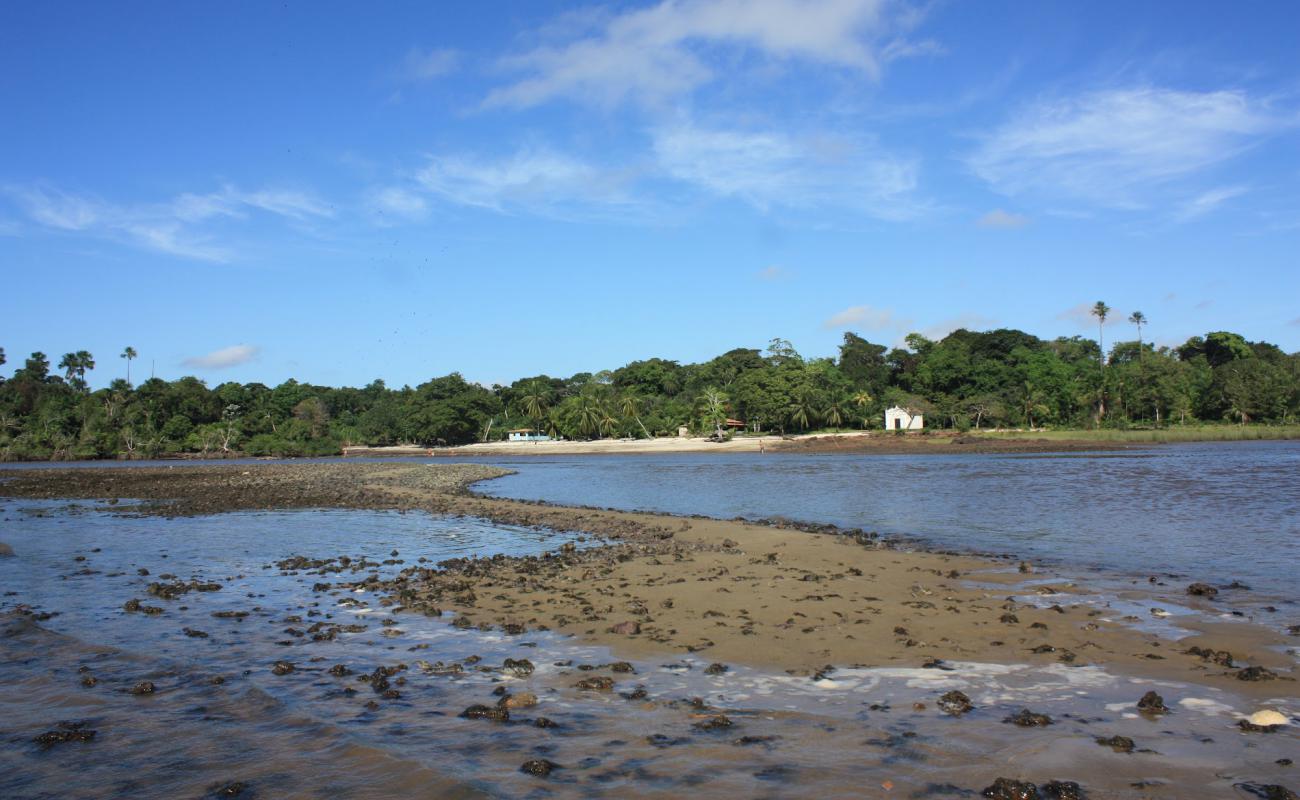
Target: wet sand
[(775, 596)]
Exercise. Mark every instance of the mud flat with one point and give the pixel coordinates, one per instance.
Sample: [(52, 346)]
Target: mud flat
[(829, 608)]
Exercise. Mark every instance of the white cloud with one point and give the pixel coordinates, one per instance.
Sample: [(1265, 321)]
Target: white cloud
[(997, 218), (770, 169), (1206, 202), (1111, 147), (537, 180), (424, 65), (866, 318), (224, 358), (173, 227), (653, 54)]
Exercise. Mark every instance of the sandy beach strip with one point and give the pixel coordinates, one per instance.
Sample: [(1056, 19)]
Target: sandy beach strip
[(864, 442)]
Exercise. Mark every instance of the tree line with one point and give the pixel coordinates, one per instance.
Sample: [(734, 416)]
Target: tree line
[(967, 380)]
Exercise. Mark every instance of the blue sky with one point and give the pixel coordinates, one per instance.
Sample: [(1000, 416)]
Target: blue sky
[(338, 192)]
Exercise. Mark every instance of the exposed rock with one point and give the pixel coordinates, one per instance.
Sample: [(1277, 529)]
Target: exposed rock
[(1256, 674), (1268, 791), (1221, 657), (598, 683), (143, 687), (1008, 789), (539, 767), (955, 703), (520, 668), (715, 723), (1061, 790), (715, 669), (1028, 719), (1152, 703), (1202, 590), (494, 713), (65, 732), (1120, 744), (521, 700), (282, 668), (629, 628), (6, 551)]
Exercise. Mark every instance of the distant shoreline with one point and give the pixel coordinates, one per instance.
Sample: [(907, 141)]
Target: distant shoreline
[(865, 442)]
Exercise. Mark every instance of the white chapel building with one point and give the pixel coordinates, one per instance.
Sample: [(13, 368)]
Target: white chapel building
[(898, 419)]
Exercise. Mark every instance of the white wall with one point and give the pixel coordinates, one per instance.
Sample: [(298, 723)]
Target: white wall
[(905, 421)]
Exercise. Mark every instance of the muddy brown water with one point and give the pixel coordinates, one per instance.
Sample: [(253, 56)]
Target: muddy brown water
[(220, 721)]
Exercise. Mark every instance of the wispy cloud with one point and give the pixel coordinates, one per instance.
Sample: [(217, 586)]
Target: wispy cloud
[(997, 218), (175, 227), (651, 55), (1206, 202), (398, 202), (224, 358), (772, 273), (535, 180), (424, 65), (1112, 147), (866, 318), (770, 169)]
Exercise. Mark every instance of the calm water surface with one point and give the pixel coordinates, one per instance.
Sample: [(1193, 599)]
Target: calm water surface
[(1217, 512)]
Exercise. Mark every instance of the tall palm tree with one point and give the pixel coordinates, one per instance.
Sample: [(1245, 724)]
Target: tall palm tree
[(1139, 319), (834, 412), (69, 366), (129, 353), (1100, 310), (629, 403), (863, 399), (802, 409), (535, 402), (592, 417)]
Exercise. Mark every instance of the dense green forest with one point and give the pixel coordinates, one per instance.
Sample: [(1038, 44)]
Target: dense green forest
[(968, 380)]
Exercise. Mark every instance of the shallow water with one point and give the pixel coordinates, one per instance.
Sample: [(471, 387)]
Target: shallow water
[(309, 733), (1212, 512)]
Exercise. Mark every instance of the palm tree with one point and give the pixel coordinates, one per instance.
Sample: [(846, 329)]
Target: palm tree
[(129, 353), (1139, 319), (535, 402), (592, 417), (863, 399), (1100, 310), (802, 409), (69, 366), (834, 412), (630, 406)]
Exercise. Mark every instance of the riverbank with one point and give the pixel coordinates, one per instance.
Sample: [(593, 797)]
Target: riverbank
[(772, 597), (866, 442)]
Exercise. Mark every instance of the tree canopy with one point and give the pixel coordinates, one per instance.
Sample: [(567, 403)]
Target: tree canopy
[(968, 379)]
